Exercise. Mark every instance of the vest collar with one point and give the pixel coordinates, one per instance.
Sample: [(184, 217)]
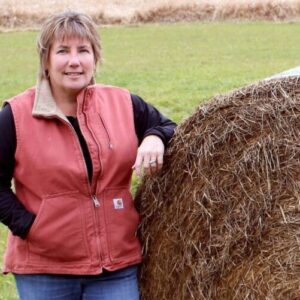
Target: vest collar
[(44, 103)]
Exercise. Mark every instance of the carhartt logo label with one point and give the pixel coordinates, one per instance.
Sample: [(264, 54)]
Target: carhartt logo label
[(118, 203)]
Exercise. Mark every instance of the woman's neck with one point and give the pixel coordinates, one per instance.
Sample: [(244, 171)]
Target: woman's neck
[(68, 108), (66, 102)]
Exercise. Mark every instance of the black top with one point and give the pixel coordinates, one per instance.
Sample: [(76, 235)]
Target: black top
[(147, 120)]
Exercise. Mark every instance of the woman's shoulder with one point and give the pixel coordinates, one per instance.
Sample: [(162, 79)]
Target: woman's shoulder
[(25, 96), (6, 121), (108, 88)]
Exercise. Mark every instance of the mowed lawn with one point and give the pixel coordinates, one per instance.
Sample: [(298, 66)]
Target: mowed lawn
[(175, 66)]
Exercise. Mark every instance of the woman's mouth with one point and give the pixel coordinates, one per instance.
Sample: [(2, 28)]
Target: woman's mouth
[(73, 73)]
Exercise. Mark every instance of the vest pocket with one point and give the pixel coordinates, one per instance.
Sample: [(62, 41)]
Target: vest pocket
[(57, 233), (122, 221)]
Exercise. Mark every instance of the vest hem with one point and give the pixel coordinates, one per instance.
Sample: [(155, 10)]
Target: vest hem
[(70, 270)]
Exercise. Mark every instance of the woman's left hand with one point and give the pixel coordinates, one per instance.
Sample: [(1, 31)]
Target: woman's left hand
[(149, 156)]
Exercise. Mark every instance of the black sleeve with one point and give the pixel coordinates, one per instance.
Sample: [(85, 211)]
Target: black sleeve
[(12, 213), (149, 121)]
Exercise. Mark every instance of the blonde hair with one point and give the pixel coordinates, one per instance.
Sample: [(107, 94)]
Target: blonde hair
[(65, 25)]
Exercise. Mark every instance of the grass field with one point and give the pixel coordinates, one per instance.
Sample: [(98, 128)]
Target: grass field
[(175, 67)]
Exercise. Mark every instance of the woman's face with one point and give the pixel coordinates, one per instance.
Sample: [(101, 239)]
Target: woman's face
[(70, 66)]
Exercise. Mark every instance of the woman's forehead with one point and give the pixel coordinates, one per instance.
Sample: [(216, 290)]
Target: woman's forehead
[(64, 34), (70, 39)]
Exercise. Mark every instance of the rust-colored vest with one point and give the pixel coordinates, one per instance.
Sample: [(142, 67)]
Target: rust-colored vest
[(80, 228)]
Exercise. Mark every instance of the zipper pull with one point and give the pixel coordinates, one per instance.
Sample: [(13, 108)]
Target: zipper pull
[(96, 201)]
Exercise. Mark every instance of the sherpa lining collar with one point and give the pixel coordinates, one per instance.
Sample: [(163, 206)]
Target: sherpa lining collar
[(44, 103)]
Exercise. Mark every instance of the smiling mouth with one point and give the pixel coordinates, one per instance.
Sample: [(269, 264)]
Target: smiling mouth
[(73, 73)]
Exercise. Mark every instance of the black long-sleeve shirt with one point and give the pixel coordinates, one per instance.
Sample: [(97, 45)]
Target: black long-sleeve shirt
[(147, 120)]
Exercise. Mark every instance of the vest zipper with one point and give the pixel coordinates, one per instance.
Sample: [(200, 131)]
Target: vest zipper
[(86, 170), (94, 197), (99, 158), (95, 200)]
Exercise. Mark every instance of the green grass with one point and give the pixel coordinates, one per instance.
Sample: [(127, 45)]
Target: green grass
[(175, 67)]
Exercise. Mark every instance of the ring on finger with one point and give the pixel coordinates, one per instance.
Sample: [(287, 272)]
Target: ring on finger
[(152, 161)]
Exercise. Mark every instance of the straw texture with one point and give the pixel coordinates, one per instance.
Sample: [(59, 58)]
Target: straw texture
[(32, 13), (222, 219)]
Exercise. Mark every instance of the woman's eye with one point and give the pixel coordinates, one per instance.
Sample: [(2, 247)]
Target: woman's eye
[(61, 51), (85, 50)]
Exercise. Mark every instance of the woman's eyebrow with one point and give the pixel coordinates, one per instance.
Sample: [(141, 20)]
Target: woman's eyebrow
[(84, 46), (62, 46), (80, 46)]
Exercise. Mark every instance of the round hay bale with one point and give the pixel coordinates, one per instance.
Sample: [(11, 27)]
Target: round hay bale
[(222, 219)]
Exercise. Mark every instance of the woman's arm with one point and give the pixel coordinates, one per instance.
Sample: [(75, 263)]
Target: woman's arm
[(154, 131), (149, 121)]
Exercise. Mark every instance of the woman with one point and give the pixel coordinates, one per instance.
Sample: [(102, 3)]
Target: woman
[(71, 146)]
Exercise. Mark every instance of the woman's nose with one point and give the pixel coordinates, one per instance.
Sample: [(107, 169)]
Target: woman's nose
[(74, 59)]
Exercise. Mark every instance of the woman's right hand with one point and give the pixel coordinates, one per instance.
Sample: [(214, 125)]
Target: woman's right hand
[(149, 156)]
